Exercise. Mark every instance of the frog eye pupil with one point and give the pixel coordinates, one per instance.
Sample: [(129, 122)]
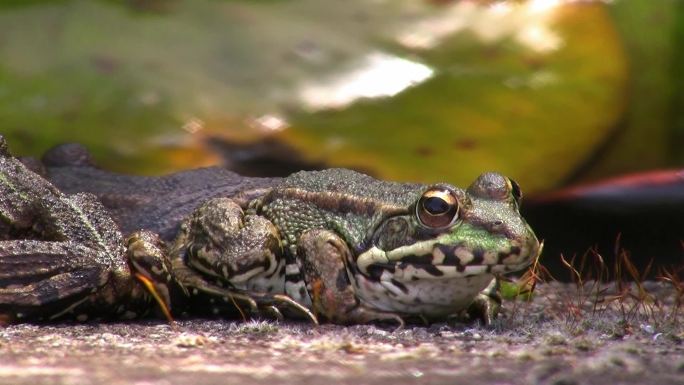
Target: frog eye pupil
[(435, 205), (437, 208)]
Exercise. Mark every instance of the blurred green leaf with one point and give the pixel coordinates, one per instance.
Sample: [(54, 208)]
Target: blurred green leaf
[(498, 106), (518, 88), (651, 134)]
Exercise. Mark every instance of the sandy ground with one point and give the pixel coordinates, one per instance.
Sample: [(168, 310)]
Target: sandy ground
[(545, 341)]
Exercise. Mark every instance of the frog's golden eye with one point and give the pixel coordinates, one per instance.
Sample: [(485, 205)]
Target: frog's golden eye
[(437, 208)]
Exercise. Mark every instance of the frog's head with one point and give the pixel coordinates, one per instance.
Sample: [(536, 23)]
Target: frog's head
[(150, 266), (453, 233)]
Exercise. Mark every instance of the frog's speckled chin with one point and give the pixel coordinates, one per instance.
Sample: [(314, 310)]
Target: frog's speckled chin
[(449, 256)]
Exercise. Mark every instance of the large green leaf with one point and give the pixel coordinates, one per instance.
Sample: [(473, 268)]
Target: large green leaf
[(529, 89), (499, 105), (651, 134)]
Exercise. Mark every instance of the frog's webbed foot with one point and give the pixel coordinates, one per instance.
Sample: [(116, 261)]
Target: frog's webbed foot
[(487, 304), (272, 303), (256, 303), (363, 314)]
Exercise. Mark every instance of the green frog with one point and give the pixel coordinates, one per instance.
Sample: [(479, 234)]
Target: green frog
[(343, 247)]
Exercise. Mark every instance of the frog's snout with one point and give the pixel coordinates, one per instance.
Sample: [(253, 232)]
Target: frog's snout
[(524, 250)]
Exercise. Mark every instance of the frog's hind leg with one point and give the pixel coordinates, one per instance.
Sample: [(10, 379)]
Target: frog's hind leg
[(20, 192), (32, 208), (40, 279), (220, 244), (56, 250), (256, 302)]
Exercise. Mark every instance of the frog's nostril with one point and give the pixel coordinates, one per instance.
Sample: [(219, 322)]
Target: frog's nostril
[(498, 223)]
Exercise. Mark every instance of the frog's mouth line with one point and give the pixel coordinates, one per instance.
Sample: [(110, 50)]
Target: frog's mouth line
[(403, 271), (433, 260)]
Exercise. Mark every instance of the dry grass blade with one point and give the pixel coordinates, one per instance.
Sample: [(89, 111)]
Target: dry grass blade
[(620, 293)]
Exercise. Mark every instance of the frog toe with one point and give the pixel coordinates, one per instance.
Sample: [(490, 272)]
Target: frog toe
[(281, 301), (271, 312), (485, 308), (365, 315)]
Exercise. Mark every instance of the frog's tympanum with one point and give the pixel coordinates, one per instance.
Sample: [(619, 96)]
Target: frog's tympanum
[(335, 245)]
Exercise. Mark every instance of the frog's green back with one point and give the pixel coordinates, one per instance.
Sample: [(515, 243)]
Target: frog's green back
[(355, 184)]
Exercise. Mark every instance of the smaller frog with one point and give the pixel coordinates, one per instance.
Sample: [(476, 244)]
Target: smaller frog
[(60, 255)]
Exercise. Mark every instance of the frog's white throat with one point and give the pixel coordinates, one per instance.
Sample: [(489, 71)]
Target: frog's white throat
[(424, 297)]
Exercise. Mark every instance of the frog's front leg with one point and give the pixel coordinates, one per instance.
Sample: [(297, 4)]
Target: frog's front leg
[(487, 304), (220, 243), (322, 256)]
